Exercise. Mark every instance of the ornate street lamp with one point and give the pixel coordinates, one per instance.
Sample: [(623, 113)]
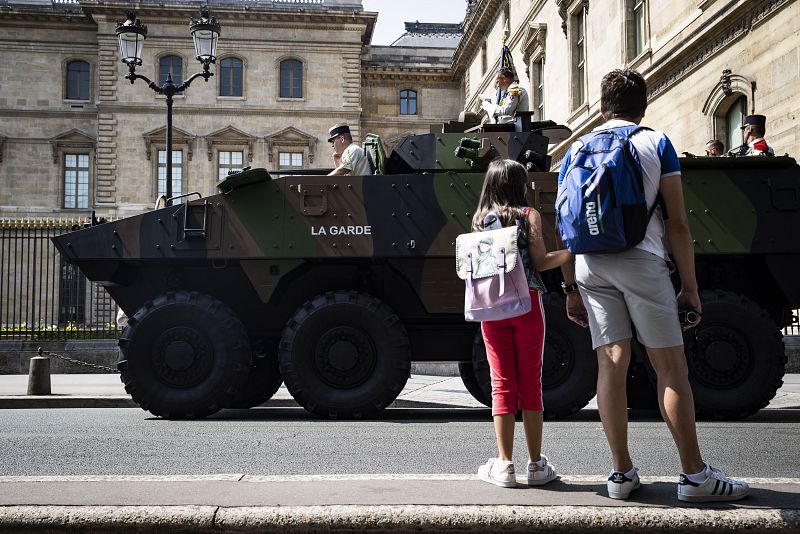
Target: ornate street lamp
[(131, 35)]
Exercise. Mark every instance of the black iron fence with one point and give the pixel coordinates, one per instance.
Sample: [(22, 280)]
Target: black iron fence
[(41, 295)]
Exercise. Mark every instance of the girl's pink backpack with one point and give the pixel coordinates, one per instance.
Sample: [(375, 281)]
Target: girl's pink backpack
[(490, 264)]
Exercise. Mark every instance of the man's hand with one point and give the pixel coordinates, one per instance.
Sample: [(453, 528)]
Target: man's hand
[(489, 108), (337, 159), (576, 311), (690, 300)]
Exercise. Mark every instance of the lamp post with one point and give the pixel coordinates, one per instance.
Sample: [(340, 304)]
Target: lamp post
[(131, 35)]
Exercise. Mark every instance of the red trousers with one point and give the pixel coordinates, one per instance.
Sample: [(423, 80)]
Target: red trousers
[(514, 348)]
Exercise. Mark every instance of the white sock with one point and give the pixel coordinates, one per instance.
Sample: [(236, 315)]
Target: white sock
[(540, 463), (698, 478), (628, 474)]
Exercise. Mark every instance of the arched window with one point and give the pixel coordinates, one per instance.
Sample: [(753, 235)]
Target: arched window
[(231, 77), (170, 65), (733, 122), (78, 80), (408, 102), (291, 79)]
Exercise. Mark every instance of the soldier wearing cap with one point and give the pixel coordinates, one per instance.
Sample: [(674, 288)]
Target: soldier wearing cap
[(514, 98), (753, 130), (348, 157)]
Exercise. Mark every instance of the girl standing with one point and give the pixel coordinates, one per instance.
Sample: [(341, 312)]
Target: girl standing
[(514, 347)]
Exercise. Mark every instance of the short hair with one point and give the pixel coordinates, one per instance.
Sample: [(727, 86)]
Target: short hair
[(717, 144), (623, 92), (347, 137), (758, 130)]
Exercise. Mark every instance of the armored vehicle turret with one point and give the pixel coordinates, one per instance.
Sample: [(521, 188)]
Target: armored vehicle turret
[(335, 284)]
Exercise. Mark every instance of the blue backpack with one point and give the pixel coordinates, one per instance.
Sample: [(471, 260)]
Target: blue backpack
[(601, 206)]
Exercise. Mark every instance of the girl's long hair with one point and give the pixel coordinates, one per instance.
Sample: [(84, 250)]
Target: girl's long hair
[(503, 192)]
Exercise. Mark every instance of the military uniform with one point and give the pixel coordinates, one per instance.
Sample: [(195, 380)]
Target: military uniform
[(515, 99), (759, 147), (756, 147), (352, 157)]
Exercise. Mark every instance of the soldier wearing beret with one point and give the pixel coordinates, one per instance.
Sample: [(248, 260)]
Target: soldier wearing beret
[(514, 98), (348, 157), (753, 130)]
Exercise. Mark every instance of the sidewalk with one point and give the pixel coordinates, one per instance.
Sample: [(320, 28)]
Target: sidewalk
[(384, 503), (421, 391)]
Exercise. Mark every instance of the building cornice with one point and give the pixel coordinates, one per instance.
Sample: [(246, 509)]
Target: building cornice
[(476, 27), (676, 63), (376, 73), (248, 16)]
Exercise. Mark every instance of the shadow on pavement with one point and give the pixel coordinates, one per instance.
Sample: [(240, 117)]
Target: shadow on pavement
[(438, 415)]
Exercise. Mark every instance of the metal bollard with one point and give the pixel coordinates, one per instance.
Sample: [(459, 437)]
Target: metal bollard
[(39, 375)]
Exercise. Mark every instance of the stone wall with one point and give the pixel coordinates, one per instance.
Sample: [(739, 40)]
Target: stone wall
[(688, 47)]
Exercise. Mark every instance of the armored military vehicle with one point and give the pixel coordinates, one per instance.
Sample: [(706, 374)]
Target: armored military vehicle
[(335, 284)]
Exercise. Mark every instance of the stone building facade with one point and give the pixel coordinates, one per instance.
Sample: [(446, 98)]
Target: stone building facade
[(76, 136), (707, 62)]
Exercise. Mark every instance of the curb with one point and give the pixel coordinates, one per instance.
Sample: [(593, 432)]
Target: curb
[(395, 519)]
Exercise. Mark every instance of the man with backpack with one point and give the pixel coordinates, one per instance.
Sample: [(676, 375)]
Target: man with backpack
[(616, 186)]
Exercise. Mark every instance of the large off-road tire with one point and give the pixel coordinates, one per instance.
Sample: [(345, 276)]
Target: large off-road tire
[(641, 380), (475, 373), (344, 354), (468, 376), (735, 356), (569, 373), (263, 381), (184, 355), (569, 368)]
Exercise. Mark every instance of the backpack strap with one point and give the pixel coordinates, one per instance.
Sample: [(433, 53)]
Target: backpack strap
[(659, 201)]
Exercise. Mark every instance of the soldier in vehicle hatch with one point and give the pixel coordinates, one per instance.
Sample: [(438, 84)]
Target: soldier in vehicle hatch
[(715, 148), (753, 129), (348, 157), (514, 98)]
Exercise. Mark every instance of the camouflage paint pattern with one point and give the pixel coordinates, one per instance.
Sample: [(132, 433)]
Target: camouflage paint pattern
[(275, 225)]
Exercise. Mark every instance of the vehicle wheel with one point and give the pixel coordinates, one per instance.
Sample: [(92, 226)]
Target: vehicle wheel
[(569, 373), (569, 368), (640, 383), (735, 356), (184, 355), (344, 354), (263, 381), (467, 372)]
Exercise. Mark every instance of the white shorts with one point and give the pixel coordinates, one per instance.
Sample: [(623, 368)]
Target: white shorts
[(631, 286)]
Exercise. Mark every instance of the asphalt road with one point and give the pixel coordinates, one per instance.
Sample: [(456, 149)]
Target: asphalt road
[(275, 441)]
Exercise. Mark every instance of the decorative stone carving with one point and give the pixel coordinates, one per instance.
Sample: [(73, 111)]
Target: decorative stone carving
[(734, 31), (533, 46), (563, 6), (725, 82), (290, 137), (180, 138), (229, 136), (72, 139)]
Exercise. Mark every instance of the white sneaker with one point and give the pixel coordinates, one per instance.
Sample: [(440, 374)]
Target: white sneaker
[(499, 473), (717, 487), (539, 476), (620, 486)]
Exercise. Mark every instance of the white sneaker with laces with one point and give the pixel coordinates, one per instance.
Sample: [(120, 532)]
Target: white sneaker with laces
[(541, 475), (717, 487), (499, 473), (620, 486)]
